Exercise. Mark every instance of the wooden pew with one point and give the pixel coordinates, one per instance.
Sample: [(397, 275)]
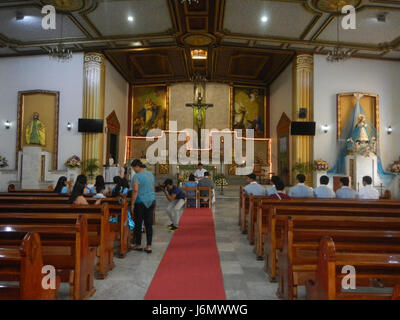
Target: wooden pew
[(297, 261), (207, 200), (100, 234), (21, 266), (115, 207), (327, 285), (263, 208), (273, 240), (65, 245)]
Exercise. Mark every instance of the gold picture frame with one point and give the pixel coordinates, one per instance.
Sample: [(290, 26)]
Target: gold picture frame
[(346, 103), (235, 90), (46, 103), (139, 95)]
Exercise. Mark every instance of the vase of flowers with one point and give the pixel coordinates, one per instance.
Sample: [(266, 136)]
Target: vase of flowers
[(3, 162), (320, 165), (73, 165), (73, 162), (220, 180)]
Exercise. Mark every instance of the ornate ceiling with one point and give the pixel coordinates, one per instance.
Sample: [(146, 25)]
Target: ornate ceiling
[(155, 44)]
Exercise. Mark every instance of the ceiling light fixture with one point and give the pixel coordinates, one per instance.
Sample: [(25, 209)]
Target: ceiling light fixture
[(19, 16), (264, 19), (338, 54), (189, 2), (198, 54), (130, 19), (60, 52)]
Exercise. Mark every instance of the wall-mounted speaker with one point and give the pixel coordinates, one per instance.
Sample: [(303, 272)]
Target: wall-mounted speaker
[(302, 128)]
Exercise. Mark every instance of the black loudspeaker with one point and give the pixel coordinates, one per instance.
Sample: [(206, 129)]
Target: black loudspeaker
[(302, 128), (303, 113)]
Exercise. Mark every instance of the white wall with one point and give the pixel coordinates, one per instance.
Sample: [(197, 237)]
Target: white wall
[(31, 73), (116, 99), (363, 75), (281, 100)]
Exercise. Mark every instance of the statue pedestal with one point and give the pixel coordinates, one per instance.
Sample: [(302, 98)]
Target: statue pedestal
[(31, 167), (358, 166)]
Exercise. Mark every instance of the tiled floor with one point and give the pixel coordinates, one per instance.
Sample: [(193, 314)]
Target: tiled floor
[(243, 275)]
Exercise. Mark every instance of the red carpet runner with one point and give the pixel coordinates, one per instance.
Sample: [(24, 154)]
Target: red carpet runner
[(190, 268)]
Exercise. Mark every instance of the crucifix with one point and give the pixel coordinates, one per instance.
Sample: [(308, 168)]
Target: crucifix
[(199, 107)]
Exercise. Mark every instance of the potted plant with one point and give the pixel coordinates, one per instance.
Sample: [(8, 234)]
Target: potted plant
[(302, 167), (320, 165), (91, 165)]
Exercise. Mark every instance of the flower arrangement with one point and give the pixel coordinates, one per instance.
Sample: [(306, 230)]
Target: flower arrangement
[(220, 180), (395, 167), (73, 162), (3, 162), (320, 165)]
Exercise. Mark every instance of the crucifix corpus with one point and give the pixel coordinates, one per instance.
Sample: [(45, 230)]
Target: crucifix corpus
[(199, 110)]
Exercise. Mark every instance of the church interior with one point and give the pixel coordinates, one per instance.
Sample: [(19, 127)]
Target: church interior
[(261, 93)]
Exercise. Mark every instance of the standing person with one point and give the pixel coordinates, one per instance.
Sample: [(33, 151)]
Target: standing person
[(300, 190), (253, 187), (323, 191), (192, 183), (345, 192), (368, 192), (206, 182), (61, 186), (143, 204), (199, 173), (280, 193), (176, 197)]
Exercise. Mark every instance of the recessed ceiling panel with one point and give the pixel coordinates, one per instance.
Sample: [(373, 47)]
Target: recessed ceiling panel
[(284, 19), (368, 29), (121, 17), (30, 27)]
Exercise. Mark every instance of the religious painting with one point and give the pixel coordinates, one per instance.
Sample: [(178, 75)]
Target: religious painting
[(149, 109), (347, 103), (38, 121), (248, 106), (113, 130)]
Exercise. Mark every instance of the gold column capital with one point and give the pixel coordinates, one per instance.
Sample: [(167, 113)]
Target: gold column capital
[(304, 62), (96, 57)]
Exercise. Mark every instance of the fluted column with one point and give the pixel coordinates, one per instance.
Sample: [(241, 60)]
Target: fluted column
[(93, 104), (303, 96)]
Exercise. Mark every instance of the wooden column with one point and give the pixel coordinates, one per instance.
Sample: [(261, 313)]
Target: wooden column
[(303, 97), (93, 104)]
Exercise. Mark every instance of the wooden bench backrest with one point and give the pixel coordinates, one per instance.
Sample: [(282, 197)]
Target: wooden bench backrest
[(25, 262)]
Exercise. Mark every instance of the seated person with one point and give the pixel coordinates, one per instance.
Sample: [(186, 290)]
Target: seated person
[(82, 179), (192, 183), (272, 189), (323, 191), (99, 185), (368, 192), (253, 187), (206, 182), (345, 192), (61, 186), (300, 190), (280, 193), (121, 187), (77, 195)]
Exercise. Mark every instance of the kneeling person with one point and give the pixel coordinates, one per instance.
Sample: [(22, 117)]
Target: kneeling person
[(176, 197)]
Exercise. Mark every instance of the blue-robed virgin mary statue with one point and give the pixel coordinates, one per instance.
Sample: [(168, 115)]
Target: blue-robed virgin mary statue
[(359, 137)]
